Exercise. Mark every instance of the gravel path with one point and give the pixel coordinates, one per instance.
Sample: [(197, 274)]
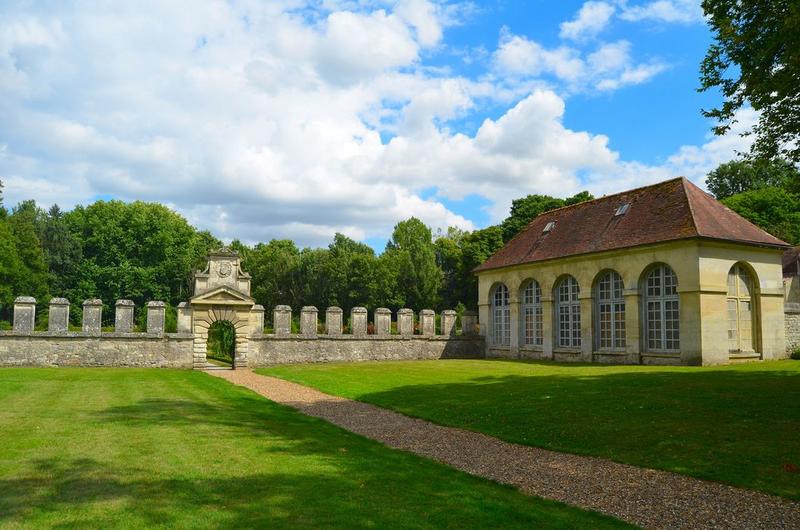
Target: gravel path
[(645, 497)]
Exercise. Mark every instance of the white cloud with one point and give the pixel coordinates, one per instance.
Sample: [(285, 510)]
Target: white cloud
[(591, 19), (262, 120), (610, 67), (683, 11)]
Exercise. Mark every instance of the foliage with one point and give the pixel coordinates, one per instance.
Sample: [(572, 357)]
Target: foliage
[(414, 255), (684, 419), (739, 176), (774, 209), (222, 341), (796, 354), (755, 60)]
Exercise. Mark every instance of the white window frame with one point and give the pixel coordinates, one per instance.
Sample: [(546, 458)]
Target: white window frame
[(532, 326), (661, 310), (567, 313), (501, 316), (609, 310)]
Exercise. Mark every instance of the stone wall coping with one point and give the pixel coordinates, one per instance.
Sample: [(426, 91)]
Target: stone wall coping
[(405, 311), (791, 308), (383, 311), (25, 300), (283, 308), (156, 303), (334, 309), (299, 337), (125, 303), (309, 309), (92, 302), (427, 312), (449, 312), (89, 335), (183, 304), (359, 310), (257, 308), (59, 301)]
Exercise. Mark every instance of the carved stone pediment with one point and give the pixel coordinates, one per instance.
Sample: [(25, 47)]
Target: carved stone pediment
[(222, 295)]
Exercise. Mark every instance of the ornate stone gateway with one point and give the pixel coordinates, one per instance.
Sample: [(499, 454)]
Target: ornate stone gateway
[(222, 293)]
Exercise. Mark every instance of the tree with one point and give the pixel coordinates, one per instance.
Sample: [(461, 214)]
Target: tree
[(273, 267), (351, 271), (755, 60), (776, 210), (739, 176), (26, 223), (413, 256), (526, 209), (62, 250)]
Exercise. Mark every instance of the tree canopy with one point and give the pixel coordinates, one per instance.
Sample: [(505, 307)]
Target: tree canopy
[(739, 176), (755, 60)]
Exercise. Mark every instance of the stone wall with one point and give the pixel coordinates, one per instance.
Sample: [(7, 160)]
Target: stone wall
[(269, 350), (148, 350), (792, 322)]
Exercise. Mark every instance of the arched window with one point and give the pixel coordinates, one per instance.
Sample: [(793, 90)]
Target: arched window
[(740, 310), (610, 312), (662, 312), (501, 317), (568, 313), (532, 334)]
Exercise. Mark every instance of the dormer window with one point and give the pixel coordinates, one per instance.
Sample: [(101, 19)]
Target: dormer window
[(549, 226), (623, 209)]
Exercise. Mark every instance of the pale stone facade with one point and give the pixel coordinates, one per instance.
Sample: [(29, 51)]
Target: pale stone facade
[(702, 269)]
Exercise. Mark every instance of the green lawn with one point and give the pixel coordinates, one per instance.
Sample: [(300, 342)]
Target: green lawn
[(735, 424), (129, 448)]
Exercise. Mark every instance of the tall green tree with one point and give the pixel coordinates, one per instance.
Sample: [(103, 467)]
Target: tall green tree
[(26, 223), (351, 270), (776, 210), (413, 254), (739, 176), (142, 251), (274, 270), (62, 250), (755, 60)]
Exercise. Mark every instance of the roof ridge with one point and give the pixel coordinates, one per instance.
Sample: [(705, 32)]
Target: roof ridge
[(691, 206)]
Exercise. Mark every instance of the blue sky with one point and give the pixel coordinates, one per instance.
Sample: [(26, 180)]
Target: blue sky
[(297, 119)]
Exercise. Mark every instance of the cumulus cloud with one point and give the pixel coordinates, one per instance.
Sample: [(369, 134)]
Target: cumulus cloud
[(590, 20), (684, 11), (609, 67), (276, 119)]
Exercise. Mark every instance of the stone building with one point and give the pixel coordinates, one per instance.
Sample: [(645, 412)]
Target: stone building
[(662, 274), (791, 288)]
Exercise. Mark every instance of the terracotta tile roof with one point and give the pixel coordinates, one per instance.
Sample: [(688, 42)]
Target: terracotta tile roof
[(667, 211), (791, 262)]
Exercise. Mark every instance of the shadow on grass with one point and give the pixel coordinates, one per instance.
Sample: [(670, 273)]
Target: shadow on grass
[(733, 426)]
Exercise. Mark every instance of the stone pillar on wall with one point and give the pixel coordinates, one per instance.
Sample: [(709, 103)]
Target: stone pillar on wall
[(155, 317), (123, 318), (24, 314), (383, 321), (184, 318), (448, 323), (92, 316), (792, 323), (587, 340), (58, 317), (358, 321), (282, 320), (333, 321), (427, 321), (257, 320), (308, 321), (469, 321), (405, 321)]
